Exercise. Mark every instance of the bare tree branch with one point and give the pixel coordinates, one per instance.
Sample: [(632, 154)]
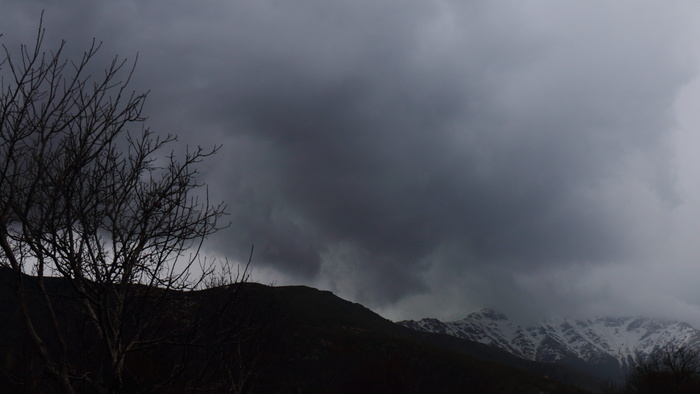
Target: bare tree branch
[(84, 196)]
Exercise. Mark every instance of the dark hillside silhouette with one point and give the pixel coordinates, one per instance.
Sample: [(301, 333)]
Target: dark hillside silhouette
[(286, 339)]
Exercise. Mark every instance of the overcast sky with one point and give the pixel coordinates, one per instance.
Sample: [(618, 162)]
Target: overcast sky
[(431, 157)]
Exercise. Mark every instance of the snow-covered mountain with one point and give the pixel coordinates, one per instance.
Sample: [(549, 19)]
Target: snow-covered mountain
[(604, 343)]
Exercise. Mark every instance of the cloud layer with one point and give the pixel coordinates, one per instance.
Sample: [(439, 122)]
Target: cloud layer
[(428, 157)]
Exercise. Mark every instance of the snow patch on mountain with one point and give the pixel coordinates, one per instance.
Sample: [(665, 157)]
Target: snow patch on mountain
[(598, 340)]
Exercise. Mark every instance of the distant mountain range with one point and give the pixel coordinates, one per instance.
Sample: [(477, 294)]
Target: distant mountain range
[(605, 346)]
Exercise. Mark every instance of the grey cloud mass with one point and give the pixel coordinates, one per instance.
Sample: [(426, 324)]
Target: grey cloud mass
[(427, 157)]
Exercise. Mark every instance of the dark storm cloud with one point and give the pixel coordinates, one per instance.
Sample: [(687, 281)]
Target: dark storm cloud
[(499, 141), (363, 140)]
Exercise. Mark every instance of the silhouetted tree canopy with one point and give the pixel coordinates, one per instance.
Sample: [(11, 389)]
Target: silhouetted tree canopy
[(88, 196)]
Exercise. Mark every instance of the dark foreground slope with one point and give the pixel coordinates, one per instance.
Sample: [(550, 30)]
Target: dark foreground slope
[(337, 346), (294, 340)]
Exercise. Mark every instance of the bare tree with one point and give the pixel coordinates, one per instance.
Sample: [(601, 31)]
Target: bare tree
[(85, 197), (671, 369)]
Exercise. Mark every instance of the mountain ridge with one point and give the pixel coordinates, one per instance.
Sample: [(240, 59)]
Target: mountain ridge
[(283, 339), (604, 346)]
